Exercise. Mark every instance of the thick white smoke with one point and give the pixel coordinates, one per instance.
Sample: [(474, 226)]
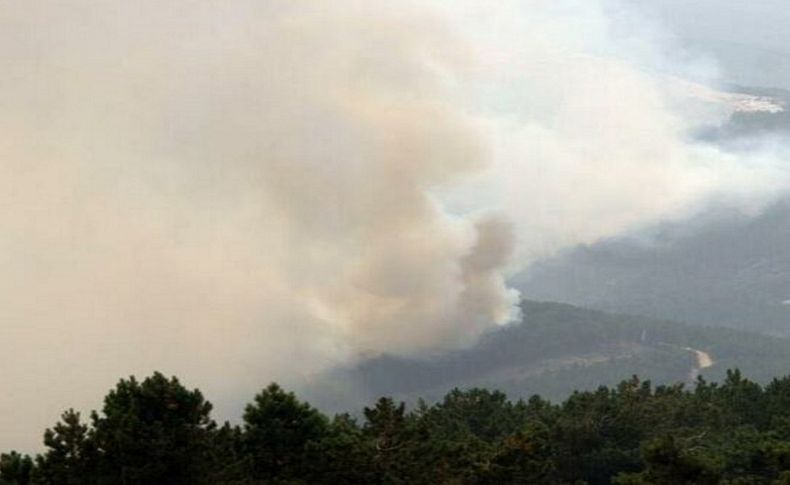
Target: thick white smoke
[(233, 193), (591, 108), (237, 192)]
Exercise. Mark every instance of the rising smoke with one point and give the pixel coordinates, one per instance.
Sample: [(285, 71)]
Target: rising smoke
[(237, 192)]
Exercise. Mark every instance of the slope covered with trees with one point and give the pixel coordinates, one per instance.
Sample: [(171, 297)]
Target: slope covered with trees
[(159, 432), (555, 349)]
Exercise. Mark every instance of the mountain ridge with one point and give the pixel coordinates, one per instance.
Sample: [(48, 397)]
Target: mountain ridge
[(557, 348)]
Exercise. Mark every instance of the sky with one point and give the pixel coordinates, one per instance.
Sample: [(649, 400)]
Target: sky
[(243, 192), (749, 40)]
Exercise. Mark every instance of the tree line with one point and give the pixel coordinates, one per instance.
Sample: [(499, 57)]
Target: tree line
[(156, 431)]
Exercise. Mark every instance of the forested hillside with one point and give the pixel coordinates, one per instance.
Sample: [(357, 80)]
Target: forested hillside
[(158, 432), (555, 349)]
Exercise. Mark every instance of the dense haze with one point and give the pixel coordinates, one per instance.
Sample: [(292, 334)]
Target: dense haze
[(241, 192), (749, 40)]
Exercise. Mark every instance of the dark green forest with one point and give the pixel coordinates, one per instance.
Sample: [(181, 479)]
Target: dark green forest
[(157, 431), (553, 350)]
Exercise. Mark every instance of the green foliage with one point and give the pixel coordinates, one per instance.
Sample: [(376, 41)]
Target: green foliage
[(15, 469), (557, 348), (525, 456), (153, 432), (158, 432), (71, 452), (670, 463), (281, 435)]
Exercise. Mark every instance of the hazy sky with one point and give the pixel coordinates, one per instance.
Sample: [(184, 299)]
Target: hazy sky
[(241, 192), (749, 40)]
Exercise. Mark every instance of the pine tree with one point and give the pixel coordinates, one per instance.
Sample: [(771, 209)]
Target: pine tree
[(281, 434)]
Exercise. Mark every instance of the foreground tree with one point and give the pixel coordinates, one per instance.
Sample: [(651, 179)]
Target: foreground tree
[(154, 432), (282, 435), (158, 432), (15, 469), (71, 457), (670, 463), (524, 457)]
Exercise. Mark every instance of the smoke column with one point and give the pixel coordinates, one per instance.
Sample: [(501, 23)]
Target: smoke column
[(240, 192)]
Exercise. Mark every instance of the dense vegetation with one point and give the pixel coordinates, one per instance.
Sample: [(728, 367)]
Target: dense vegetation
[(159, 432), (554, 350)]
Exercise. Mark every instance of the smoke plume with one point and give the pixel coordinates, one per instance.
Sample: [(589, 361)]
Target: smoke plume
[(238, 192)]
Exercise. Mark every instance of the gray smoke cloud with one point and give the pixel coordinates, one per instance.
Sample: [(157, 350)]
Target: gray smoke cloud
[(237, 192)]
